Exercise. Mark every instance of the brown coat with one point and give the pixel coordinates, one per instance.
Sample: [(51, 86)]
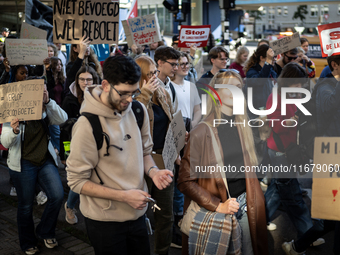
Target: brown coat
[(209, 192), (148, 98)]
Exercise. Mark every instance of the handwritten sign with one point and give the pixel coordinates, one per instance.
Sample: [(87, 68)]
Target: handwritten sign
[(330, 39), (174, 141), (144, 29), (285, 44), (326, 178), (127, 33), (22, 100), (26, 51), (197, 35), (32, 32), (97, 19)]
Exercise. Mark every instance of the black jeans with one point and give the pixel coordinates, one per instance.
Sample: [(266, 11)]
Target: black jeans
[(319, 229), (121, 238)]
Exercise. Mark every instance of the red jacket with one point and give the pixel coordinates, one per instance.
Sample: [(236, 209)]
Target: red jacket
[(287, 134)]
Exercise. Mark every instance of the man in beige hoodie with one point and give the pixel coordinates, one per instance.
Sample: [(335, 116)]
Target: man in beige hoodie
[(114, 211)]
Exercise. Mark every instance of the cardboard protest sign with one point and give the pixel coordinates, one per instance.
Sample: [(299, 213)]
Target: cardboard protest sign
[(144, 29), (26, 51), (197, 35), (174, 141), (22, 100), (326, 178), (127, 33), (96, 19), (285, 44), (329, 35), (32, 32)]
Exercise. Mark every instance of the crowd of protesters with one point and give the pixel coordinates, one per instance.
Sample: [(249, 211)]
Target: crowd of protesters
[(132, 98)]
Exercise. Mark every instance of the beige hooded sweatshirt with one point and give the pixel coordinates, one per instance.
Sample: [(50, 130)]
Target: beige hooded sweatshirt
[(121, 170)]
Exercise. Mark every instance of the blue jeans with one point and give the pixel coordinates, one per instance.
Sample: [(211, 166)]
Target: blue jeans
[(48, 178), (72, 199), (55, 136), (287, 192)]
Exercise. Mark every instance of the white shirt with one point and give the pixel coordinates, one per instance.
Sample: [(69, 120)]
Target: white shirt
[(188, 98)]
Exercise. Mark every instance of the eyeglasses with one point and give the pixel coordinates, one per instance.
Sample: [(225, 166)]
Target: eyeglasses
[(183, 65), (149, 75), (124, 95), (172, 64), (223, 59), (291, 58), (88, 80)]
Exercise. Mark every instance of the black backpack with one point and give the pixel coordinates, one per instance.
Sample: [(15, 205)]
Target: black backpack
[(307, 125), (98, 133)]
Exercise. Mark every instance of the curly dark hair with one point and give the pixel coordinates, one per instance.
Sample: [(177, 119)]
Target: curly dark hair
[(261, 51), (121, 69)]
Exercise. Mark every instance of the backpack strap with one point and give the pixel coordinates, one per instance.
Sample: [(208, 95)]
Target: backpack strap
[(173, 92), (138, 112)]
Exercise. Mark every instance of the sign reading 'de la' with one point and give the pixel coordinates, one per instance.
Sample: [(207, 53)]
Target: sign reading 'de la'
[(144, 29), (26, 51), (96, 19), (330, 39), (285, 44), (31, 32), (22, 100), (197, 35), (326, 178)]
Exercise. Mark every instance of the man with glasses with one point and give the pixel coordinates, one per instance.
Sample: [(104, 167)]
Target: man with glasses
[(166, 59), (218, 57), (113, 192), (286, 58)]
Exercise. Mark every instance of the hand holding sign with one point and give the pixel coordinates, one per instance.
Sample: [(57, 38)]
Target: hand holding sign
[(15, 125), (269, 56)]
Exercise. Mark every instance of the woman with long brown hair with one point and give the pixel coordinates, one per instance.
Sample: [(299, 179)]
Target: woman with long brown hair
[(234, 146)]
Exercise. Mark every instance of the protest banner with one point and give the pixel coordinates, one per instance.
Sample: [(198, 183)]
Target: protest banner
[(97, 20), (22, 100), (197, 35), (144, 29), (174, 141), (31, 32), (26, 51), (326, 179), (329, 35), (285, 44)]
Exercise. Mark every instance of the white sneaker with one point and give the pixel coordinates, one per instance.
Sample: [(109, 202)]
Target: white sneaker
[(289, 250), (13, 192), (51, 243), (70, 215), (41, 198), (271, 226), (318, 242)]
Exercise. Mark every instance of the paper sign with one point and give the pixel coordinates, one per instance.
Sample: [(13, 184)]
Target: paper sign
[(31, 32), (326, 179), (197, 35), (127, 33), (144, 29), (22, 100), (329, 35), (96, 19), (285, 44), (26, 51), (174, 141)]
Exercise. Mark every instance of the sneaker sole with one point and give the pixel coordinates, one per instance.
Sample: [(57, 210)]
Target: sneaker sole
[(50, 246), (173, 245)]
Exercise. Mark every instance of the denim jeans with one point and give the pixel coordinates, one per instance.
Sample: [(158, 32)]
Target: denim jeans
[(242, 217), (55, 136), (287, 192), (178, 196), (72, 199), (118, 238), (25, 181)]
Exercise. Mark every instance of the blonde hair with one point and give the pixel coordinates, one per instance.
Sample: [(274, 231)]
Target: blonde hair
[(242, 50), (245, 130), (300, 50)]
